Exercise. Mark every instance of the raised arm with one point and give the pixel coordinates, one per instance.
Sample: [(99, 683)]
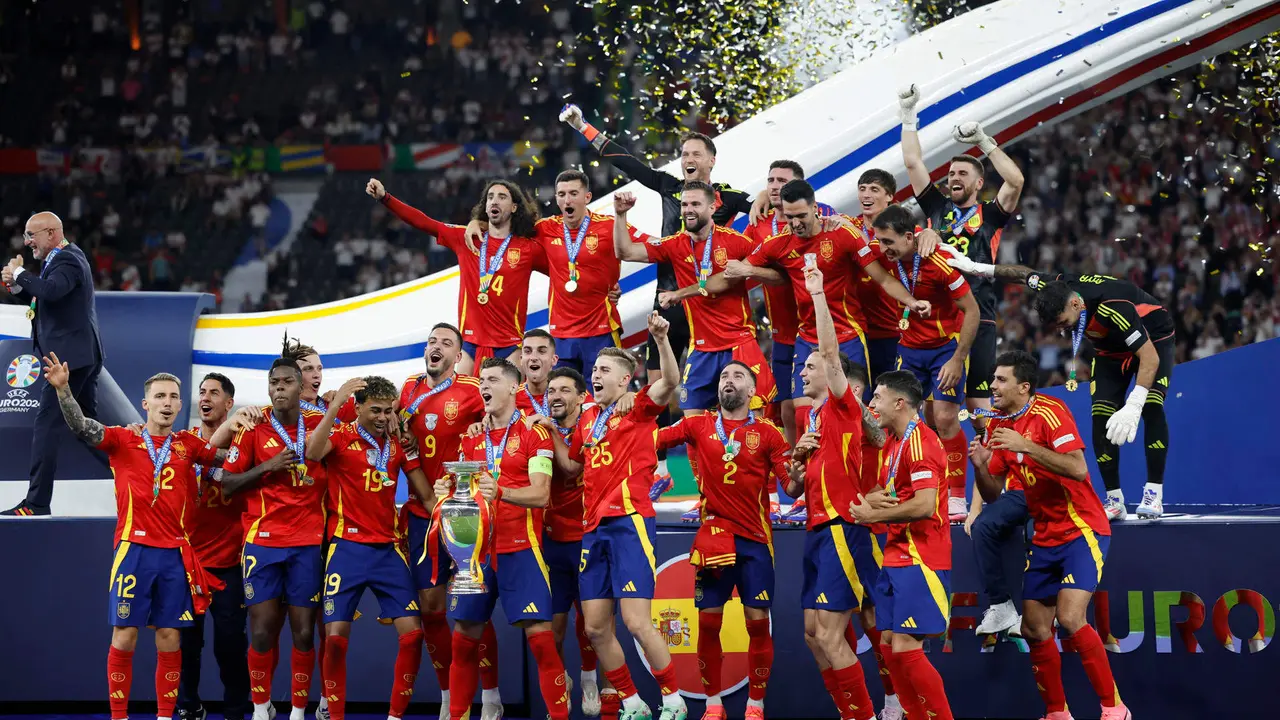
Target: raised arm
[(1007, 197), (660, 391), (633, 167), (85, 428), (912, 155), (407, 213), (622, 243), (828, 345), (63, 277), (871, 427), (318, 443)]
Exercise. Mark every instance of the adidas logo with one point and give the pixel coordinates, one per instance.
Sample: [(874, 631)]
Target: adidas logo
[(271, 443), (412, 606), (984, 386), (117, 695), (301, 693), (1104, 458), (186, 616), (716, 530), (822, 598), (1157, 445), (629, 587), (484, 662), (531, 608), (1068, 579), (354, 446), (259, 689), (1163, 381), (172, 693), (763, 596), (910, 623)]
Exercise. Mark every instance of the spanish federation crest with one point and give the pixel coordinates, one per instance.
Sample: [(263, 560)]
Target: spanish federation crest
[(592, 243), (675, 628), (430, 420), (248, 591), (753, 440), (513, 257), (451, 410), (122, 609), (328, 606), (827, 249), (721, 256), (513, 445)]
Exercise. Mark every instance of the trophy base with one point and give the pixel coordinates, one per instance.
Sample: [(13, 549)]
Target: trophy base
[(466, 584)]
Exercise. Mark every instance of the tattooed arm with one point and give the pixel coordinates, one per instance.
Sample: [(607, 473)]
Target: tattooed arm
[(1016, 273), (85, 428), (871, 426)]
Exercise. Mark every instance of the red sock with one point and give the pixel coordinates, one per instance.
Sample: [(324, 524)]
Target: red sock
[(550, 674), (610, 705), (1046, 665), (260, 672), (1096, 665), (710, 654), (301, 664), (907, 695), (927, 684), (759, 657), (168, 672), (119, 679), (666, 678), (408, 660), (882, 665), (436, 633), (334, 672), (587, 652), (957, 470), (833, 689), (854, 700), (463, 672), (488, 657), (620, 679)]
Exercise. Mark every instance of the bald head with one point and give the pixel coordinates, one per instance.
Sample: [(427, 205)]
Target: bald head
[(44, 233)]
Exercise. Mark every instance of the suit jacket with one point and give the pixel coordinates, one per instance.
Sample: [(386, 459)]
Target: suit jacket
[(66, 320)]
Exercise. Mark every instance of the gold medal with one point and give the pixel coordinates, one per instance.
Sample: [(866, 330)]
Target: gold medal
[(702, 291), (31, 313), (963, 415), (483, 298), (571, 286), (727, 457), (1072, 385), (903, 324)]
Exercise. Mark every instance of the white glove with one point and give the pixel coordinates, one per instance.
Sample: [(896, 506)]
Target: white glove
[(572, 114), (1122, 427), (908, 97), (971, 133), (964, 263)]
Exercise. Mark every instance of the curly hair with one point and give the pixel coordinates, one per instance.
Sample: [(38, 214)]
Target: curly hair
[(377, 388), (525, 216)]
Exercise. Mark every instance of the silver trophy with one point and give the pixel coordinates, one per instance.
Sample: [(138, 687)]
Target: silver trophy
[(462, 527)]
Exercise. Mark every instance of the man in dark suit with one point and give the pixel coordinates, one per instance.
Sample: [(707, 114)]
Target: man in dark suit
[(63, 322)]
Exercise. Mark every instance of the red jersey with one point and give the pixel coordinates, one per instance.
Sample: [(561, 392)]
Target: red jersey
[(737, 490), (517, 527), (716, 322), (215, 526), (498, 322), (361, 504), (564, 512), (940, 284), (438, 422), (1063, 509), (882, 312), (779, 300), (922, 465), (618, 470), (832, 472), (285, 508), (143, 516), (587, 311), (841, 256)]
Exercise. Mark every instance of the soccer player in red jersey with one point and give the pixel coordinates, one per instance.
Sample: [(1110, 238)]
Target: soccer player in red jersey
[(721, 323), (936, 352), (216, 538), (436, 408), (562, 544), (362, 462), (537, 358), (1034, 438), (156, 580), (842, 255), (915, 584), (876, 188), (284, 530), (616, 455), (825, 466), (493, 295), (517, 481), (736, 454)]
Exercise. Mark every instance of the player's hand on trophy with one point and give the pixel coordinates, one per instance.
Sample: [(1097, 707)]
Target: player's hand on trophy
[(56, 371), (443, 487), (658, 325), (375, 189), (927, 241), (572, 114), (622, 202), (283, 460), (488, 487), (348, 388), (812, 279)]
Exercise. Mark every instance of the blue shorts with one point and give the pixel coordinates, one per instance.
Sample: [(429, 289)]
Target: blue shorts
[(419, 563), (480, 353), (831, 579), (562, 560), (581, 353), (751, 574), (882, 354), (520, 579), (1076, 565), (925, 364), (293, 574), (700, 386), (868, 557), (149, 587), (855, 350), (617, 559), (352, 567), (914, 600), (781, 357)]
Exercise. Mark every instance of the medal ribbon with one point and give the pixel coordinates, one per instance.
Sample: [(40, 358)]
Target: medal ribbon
[(544, 407), (897, 455), (574, 246), (317, 406), (959, 223), (492, 455), (1076, 336), (993, 416), (703, 269), (494, 264), (383, 454), (299, 448), (158, 461), (601, 424), (410, 411), (915, 279), (731, 446), (812, 425)]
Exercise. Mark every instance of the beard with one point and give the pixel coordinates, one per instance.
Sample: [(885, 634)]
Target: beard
[(732, 401)]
